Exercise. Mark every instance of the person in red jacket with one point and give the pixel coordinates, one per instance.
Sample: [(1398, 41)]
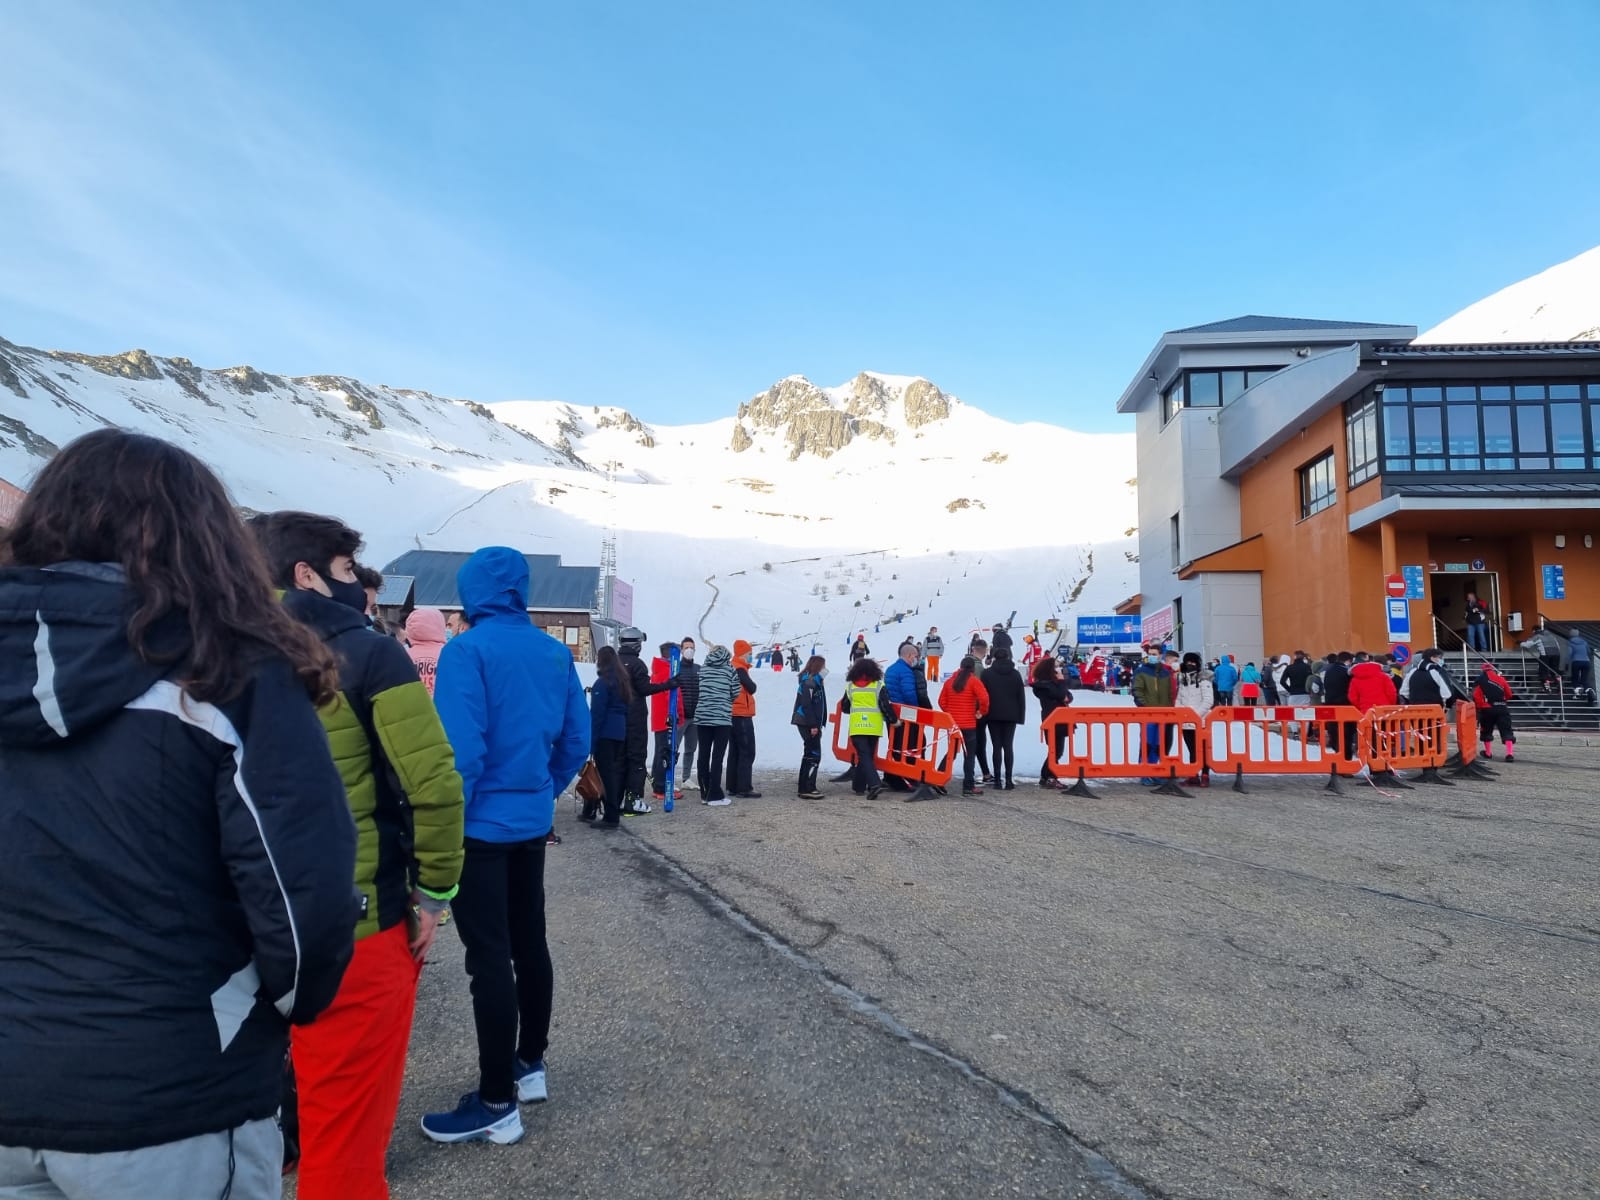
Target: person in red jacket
[(1370, 685), (1490, 694), (660, 672), (1094, 672), (966, 701)]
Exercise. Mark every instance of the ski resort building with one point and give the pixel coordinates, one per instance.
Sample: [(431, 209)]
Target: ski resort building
[(1293, 472), (560, 598)]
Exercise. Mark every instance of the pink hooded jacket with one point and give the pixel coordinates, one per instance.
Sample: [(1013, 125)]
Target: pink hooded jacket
[(425, 629)]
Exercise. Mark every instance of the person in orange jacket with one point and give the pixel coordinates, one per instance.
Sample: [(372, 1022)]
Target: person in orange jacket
[(742, 742), (966, 701)]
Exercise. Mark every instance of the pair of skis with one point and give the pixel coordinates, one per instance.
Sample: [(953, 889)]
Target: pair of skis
[(674, 657)]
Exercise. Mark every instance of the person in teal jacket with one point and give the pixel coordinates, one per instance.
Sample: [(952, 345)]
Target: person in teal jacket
[(513, 708)]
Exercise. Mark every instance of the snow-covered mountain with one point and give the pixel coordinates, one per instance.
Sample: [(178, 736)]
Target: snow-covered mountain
[(1561, 304), (813, 513)]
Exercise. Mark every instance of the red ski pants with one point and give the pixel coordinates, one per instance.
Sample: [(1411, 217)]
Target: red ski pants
[(349, 1064)]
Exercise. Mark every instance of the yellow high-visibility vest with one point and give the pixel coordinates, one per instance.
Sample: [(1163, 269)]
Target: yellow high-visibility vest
[(866, 718)]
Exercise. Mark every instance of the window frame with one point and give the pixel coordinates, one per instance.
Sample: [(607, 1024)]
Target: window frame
[(1323, 466), (1361, 466), (1525, 408), (1179, 387)]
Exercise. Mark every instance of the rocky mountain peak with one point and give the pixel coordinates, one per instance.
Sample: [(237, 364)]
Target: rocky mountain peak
[(822, 421)]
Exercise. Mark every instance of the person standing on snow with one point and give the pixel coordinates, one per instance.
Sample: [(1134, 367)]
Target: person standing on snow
[(932, 652), (810, 718), (999, 640), (859, 649), (512, 704)]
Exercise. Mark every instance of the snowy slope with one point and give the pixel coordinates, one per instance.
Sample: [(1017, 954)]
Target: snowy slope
[(1561, 304), (917, 519)]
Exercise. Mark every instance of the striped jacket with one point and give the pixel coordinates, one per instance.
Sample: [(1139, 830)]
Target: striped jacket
[(177, 877), (718, 685)]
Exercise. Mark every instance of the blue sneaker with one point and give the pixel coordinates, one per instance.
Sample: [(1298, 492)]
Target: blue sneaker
[(475, 1121), (531, 1083)]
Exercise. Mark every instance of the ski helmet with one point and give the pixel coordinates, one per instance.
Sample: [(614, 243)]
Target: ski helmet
[(631, 638)]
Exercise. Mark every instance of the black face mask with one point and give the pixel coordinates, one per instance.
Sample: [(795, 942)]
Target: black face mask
[(351, 595)]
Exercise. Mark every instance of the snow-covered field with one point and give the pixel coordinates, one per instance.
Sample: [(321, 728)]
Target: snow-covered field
[(956, 522)]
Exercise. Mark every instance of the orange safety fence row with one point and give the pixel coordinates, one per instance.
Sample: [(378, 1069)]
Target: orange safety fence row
[(1327, 740), (920, 747)]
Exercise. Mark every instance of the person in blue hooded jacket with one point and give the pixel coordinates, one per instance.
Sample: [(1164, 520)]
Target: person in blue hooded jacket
[(509, 696)]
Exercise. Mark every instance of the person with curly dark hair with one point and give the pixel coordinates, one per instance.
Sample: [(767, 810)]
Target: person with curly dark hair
[(177, 849)]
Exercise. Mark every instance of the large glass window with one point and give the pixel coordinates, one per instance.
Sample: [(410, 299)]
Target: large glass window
[(1205, 389), (1361, 441), (1317, 488), (1471, 427), (1210, 389)]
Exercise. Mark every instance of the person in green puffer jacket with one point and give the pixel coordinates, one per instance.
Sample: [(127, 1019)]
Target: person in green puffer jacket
[(405, 794)]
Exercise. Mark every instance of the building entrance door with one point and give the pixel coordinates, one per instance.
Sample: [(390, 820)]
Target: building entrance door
[(1448, 590)]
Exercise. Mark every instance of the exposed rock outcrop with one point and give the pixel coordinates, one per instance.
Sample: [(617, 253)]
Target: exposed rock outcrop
[(821, 423)]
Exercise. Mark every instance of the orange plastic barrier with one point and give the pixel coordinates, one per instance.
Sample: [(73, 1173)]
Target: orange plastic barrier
[(1118, 743), (1465, 760), (1411, 737), (1316, 740), (920, 747)]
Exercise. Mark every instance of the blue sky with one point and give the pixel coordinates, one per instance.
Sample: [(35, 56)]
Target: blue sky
[(669, 206)]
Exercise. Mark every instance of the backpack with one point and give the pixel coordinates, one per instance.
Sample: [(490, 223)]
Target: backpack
[(1314, 685)]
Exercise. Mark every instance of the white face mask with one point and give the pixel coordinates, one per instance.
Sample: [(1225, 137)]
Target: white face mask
[(822, 674), (687, 654)]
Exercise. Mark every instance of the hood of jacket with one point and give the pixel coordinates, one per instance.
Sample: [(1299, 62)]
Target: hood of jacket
[(425, 626), (1368, 670), (66, 664), (494, 583), (718, 657)]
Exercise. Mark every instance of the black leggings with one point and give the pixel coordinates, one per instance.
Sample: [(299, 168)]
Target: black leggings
[(866, 777), (499, 914), (1001, 736), (713, 746)]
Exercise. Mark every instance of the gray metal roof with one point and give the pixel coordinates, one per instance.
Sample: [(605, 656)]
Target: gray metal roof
[(396, 590), (1552, 487), (1259, 324), (1415, 350), (552, 586)]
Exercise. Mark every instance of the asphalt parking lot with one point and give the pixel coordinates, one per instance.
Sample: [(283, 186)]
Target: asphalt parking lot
[(1278, 994)]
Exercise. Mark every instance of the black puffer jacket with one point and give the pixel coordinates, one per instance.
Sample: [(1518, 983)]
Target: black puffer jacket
[(1007, 698), (178, 878)]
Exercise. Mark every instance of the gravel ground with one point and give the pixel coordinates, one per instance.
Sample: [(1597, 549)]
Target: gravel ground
[(1278, 994)]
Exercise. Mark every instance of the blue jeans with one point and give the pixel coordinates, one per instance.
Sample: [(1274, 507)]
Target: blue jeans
[(1478, 637)]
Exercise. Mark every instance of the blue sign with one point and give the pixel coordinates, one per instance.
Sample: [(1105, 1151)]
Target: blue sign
[(1555, 581), (1399, 618), (1108, 631), (1402, 654), (1415, 581)]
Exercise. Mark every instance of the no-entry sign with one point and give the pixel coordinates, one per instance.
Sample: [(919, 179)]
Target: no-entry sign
[(1395, 585)]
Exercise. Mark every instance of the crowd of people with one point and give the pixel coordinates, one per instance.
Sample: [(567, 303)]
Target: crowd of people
[(235, 810), (233, 815)]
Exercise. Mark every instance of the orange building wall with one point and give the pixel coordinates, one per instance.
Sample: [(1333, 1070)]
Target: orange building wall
[(1304, 605)]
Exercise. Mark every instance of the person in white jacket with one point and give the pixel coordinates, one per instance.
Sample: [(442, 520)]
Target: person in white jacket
[(1196, 691)]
